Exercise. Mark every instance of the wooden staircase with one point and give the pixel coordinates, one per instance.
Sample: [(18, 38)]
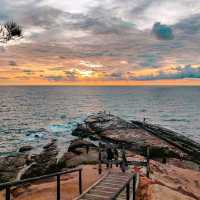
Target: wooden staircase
[(113, 185)]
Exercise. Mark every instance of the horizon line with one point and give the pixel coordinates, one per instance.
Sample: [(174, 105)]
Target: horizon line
[(85, 85)]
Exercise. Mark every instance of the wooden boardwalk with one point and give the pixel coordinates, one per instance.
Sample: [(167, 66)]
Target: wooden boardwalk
[(113, 185)]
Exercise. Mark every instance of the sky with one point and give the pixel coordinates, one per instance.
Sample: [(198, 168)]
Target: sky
[(102, 42)]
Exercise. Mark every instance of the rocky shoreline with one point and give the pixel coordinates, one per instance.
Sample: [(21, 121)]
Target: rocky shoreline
[(137, 136), (134, 136)]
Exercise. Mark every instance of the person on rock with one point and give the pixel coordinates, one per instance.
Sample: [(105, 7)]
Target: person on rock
[(124, 163), (110, 156), (116, 156)]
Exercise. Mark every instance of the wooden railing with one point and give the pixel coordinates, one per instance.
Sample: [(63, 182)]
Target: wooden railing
[(7, 186), (135, 183)]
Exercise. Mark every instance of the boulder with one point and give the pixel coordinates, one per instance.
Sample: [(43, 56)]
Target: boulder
[(79, 143), (44, 163), (10, 167), (64, 161), (25, 148)]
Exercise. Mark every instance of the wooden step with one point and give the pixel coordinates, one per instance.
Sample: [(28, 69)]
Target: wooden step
[(108, 186), (101, 192), (95, 197)]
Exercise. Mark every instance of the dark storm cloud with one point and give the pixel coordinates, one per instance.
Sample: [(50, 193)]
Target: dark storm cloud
[(162, 31)]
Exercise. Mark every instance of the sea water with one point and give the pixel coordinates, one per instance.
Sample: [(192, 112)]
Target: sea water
[(35, 115)]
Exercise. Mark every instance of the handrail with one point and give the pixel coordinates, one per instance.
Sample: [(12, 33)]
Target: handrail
[(93, 185), (135, 181), (8, 185), (122, 188)]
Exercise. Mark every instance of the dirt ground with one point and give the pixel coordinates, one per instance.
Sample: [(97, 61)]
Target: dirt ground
[(47, 190)]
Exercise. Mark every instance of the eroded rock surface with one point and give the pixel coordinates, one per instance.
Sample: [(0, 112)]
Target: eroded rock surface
[(44, 163), (104, 126), (79, 152), (25, 148), (79, 143), (10, 166), (174, 183)]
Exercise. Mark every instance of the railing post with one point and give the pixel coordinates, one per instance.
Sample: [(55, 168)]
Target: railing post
[(134, 183), (58, 187), (148, 161), (80, 181), (7, 193), (100, 167), (128, 191)]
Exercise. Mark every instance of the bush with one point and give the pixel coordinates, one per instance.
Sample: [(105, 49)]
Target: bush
[(13, 28)]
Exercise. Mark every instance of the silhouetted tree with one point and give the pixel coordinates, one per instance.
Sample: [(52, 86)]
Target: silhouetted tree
[(13, 29)]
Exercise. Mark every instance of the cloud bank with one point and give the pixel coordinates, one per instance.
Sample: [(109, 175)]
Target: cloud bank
[(108, 40)]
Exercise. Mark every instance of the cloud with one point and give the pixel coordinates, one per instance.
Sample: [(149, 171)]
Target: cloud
[(71, 75), (53, 78), (149, 60), (187, 72), (116, 76), (144, 13), (3, 78), (190, 25), (12, 63), (28, 71), (75, 6), (89, 64), (162, 31), (175, 73), (93, 39), (102, 21)]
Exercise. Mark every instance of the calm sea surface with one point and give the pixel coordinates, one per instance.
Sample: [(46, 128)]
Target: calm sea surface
[(34, 115)]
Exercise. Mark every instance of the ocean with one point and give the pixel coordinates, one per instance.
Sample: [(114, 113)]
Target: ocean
[(35, 115)]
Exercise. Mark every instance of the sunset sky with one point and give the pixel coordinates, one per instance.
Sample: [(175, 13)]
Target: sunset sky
[(102, 42)]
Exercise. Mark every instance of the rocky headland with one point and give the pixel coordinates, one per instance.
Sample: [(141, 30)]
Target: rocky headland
[(178, 175)]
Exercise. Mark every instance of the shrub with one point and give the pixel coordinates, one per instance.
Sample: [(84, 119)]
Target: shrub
[(13, 28)]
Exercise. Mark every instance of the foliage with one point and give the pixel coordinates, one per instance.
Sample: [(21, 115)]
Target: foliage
[(13, 29)]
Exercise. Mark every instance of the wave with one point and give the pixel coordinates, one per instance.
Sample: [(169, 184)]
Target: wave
[(176, 120)]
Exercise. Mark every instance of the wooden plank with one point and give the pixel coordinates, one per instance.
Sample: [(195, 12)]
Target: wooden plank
[(117, 177), (93, 191), (113, 181), (92, 186), (108, 187), (96, 197), (112, 184)]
